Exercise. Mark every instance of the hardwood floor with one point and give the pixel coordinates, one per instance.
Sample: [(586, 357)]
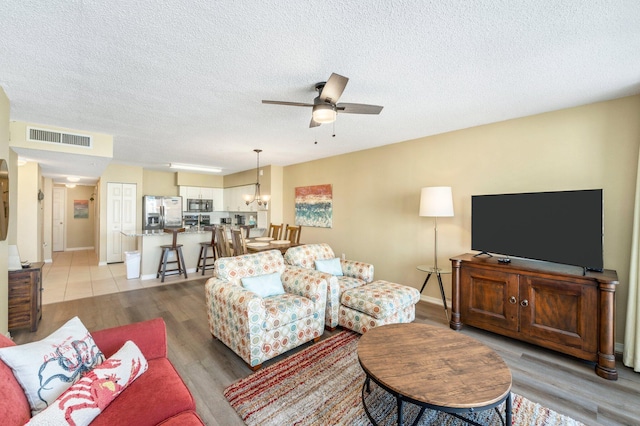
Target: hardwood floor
[(556, 381)]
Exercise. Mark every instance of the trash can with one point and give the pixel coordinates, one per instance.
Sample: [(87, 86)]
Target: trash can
[(132, 260)]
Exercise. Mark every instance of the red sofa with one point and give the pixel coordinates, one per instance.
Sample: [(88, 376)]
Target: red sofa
[(159, 396)]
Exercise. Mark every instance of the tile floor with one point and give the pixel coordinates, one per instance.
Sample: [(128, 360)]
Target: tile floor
[(76, 274)]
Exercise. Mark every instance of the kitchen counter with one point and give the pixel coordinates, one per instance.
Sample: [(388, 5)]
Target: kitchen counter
[(149, 242), (159, 233)]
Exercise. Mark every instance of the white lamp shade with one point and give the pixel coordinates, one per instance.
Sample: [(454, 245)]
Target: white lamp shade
[(436, 201), (323, 113)]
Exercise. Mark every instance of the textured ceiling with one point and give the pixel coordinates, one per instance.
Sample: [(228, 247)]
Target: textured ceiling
[(182, 81)]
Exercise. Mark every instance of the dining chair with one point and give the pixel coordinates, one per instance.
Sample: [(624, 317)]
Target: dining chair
[(239, 242), (246, 229), (293, 234), (222, 242), (275, 231)]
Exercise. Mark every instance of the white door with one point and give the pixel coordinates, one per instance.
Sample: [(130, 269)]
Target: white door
[(58, 219), (129, 215), (121, 214)]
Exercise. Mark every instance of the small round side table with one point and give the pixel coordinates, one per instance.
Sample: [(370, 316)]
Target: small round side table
[(430, 270)]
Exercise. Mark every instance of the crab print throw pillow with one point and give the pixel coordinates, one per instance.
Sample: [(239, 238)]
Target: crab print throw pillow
[(83, 401), (50, 366)]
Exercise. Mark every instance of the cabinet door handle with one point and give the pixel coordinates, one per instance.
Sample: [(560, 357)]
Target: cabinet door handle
[(524, 303), (513, 300)]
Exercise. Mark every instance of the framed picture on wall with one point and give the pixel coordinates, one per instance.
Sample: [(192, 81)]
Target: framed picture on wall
[(81, 209), (314, 206)]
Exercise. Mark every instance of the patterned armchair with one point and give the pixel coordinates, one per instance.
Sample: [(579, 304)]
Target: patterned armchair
[(355, 274), (257, 328)]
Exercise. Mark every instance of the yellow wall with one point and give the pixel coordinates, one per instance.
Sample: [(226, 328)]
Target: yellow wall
[(376, 191), (196, 179), (245, 178), (79, 232), (275, 192), (29, 212), (4, 254), (158, 183)]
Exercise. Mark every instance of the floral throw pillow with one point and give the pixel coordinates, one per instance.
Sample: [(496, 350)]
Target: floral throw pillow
[(48, 367), (83, 401)]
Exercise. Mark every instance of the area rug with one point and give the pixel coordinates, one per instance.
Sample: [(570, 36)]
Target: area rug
[(322, 385)]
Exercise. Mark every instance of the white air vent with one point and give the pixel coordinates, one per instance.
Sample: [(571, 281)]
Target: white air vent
[(42, 135)]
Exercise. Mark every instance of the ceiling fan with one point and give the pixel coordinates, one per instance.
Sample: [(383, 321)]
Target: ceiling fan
[(325, 106)]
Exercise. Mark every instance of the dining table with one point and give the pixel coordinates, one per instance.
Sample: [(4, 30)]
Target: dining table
[(255, 245)]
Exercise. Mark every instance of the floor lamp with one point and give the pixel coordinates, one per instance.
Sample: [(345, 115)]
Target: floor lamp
[(436, 201)]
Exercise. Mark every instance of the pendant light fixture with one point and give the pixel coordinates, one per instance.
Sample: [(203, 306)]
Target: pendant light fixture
[(261, 200)]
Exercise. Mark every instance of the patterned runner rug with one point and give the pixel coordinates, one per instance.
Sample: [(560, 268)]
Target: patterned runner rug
[(322, 385)]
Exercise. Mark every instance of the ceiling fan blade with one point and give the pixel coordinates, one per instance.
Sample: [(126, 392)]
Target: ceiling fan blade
[(358, 108), (313, 123), (333, 88), (302, 104)]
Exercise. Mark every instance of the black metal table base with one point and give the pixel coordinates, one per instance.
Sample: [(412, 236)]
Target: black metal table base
[(456, 412), (444, 298)]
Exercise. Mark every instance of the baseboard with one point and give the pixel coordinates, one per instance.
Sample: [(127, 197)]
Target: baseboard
[(48, 261), (434, 300), (153, 276), (79, 248)]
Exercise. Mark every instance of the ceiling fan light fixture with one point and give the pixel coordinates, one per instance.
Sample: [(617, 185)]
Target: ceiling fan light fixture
[(324, 113)]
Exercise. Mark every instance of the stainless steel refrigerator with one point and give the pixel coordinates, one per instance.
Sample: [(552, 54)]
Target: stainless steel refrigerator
[(160, 212)]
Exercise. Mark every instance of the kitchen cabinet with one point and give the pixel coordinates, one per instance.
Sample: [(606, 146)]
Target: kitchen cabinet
[(196, 192), (200, 192), (555, 306), (234, 198), (25, 297), (218, 199)]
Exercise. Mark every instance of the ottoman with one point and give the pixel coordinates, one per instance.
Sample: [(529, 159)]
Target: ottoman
[(377, 303)]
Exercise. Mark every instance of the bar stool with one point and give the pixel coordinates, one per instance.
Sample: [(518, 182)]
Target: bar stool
[(204, 252), (177, 249)]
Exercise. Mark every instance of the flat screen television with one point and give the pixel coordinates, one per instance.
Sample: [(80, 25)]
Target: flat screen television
[(562, 227)]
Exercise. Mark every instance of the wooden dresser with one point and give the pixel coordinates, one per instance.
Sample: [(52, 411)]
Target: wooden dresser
[(25, 297), (551, 305)]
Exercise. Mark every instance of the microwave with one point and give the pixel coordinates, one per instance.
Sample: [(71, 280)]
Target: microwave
[(196, 205)]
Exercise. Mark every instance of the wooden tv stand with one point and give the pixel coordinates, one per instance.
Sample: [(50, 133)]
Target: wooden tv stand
[(550, 305)]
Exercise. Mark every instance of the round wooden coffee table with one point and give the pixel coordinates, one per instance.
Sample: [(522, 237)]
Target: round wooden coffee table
[(436, 368)]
